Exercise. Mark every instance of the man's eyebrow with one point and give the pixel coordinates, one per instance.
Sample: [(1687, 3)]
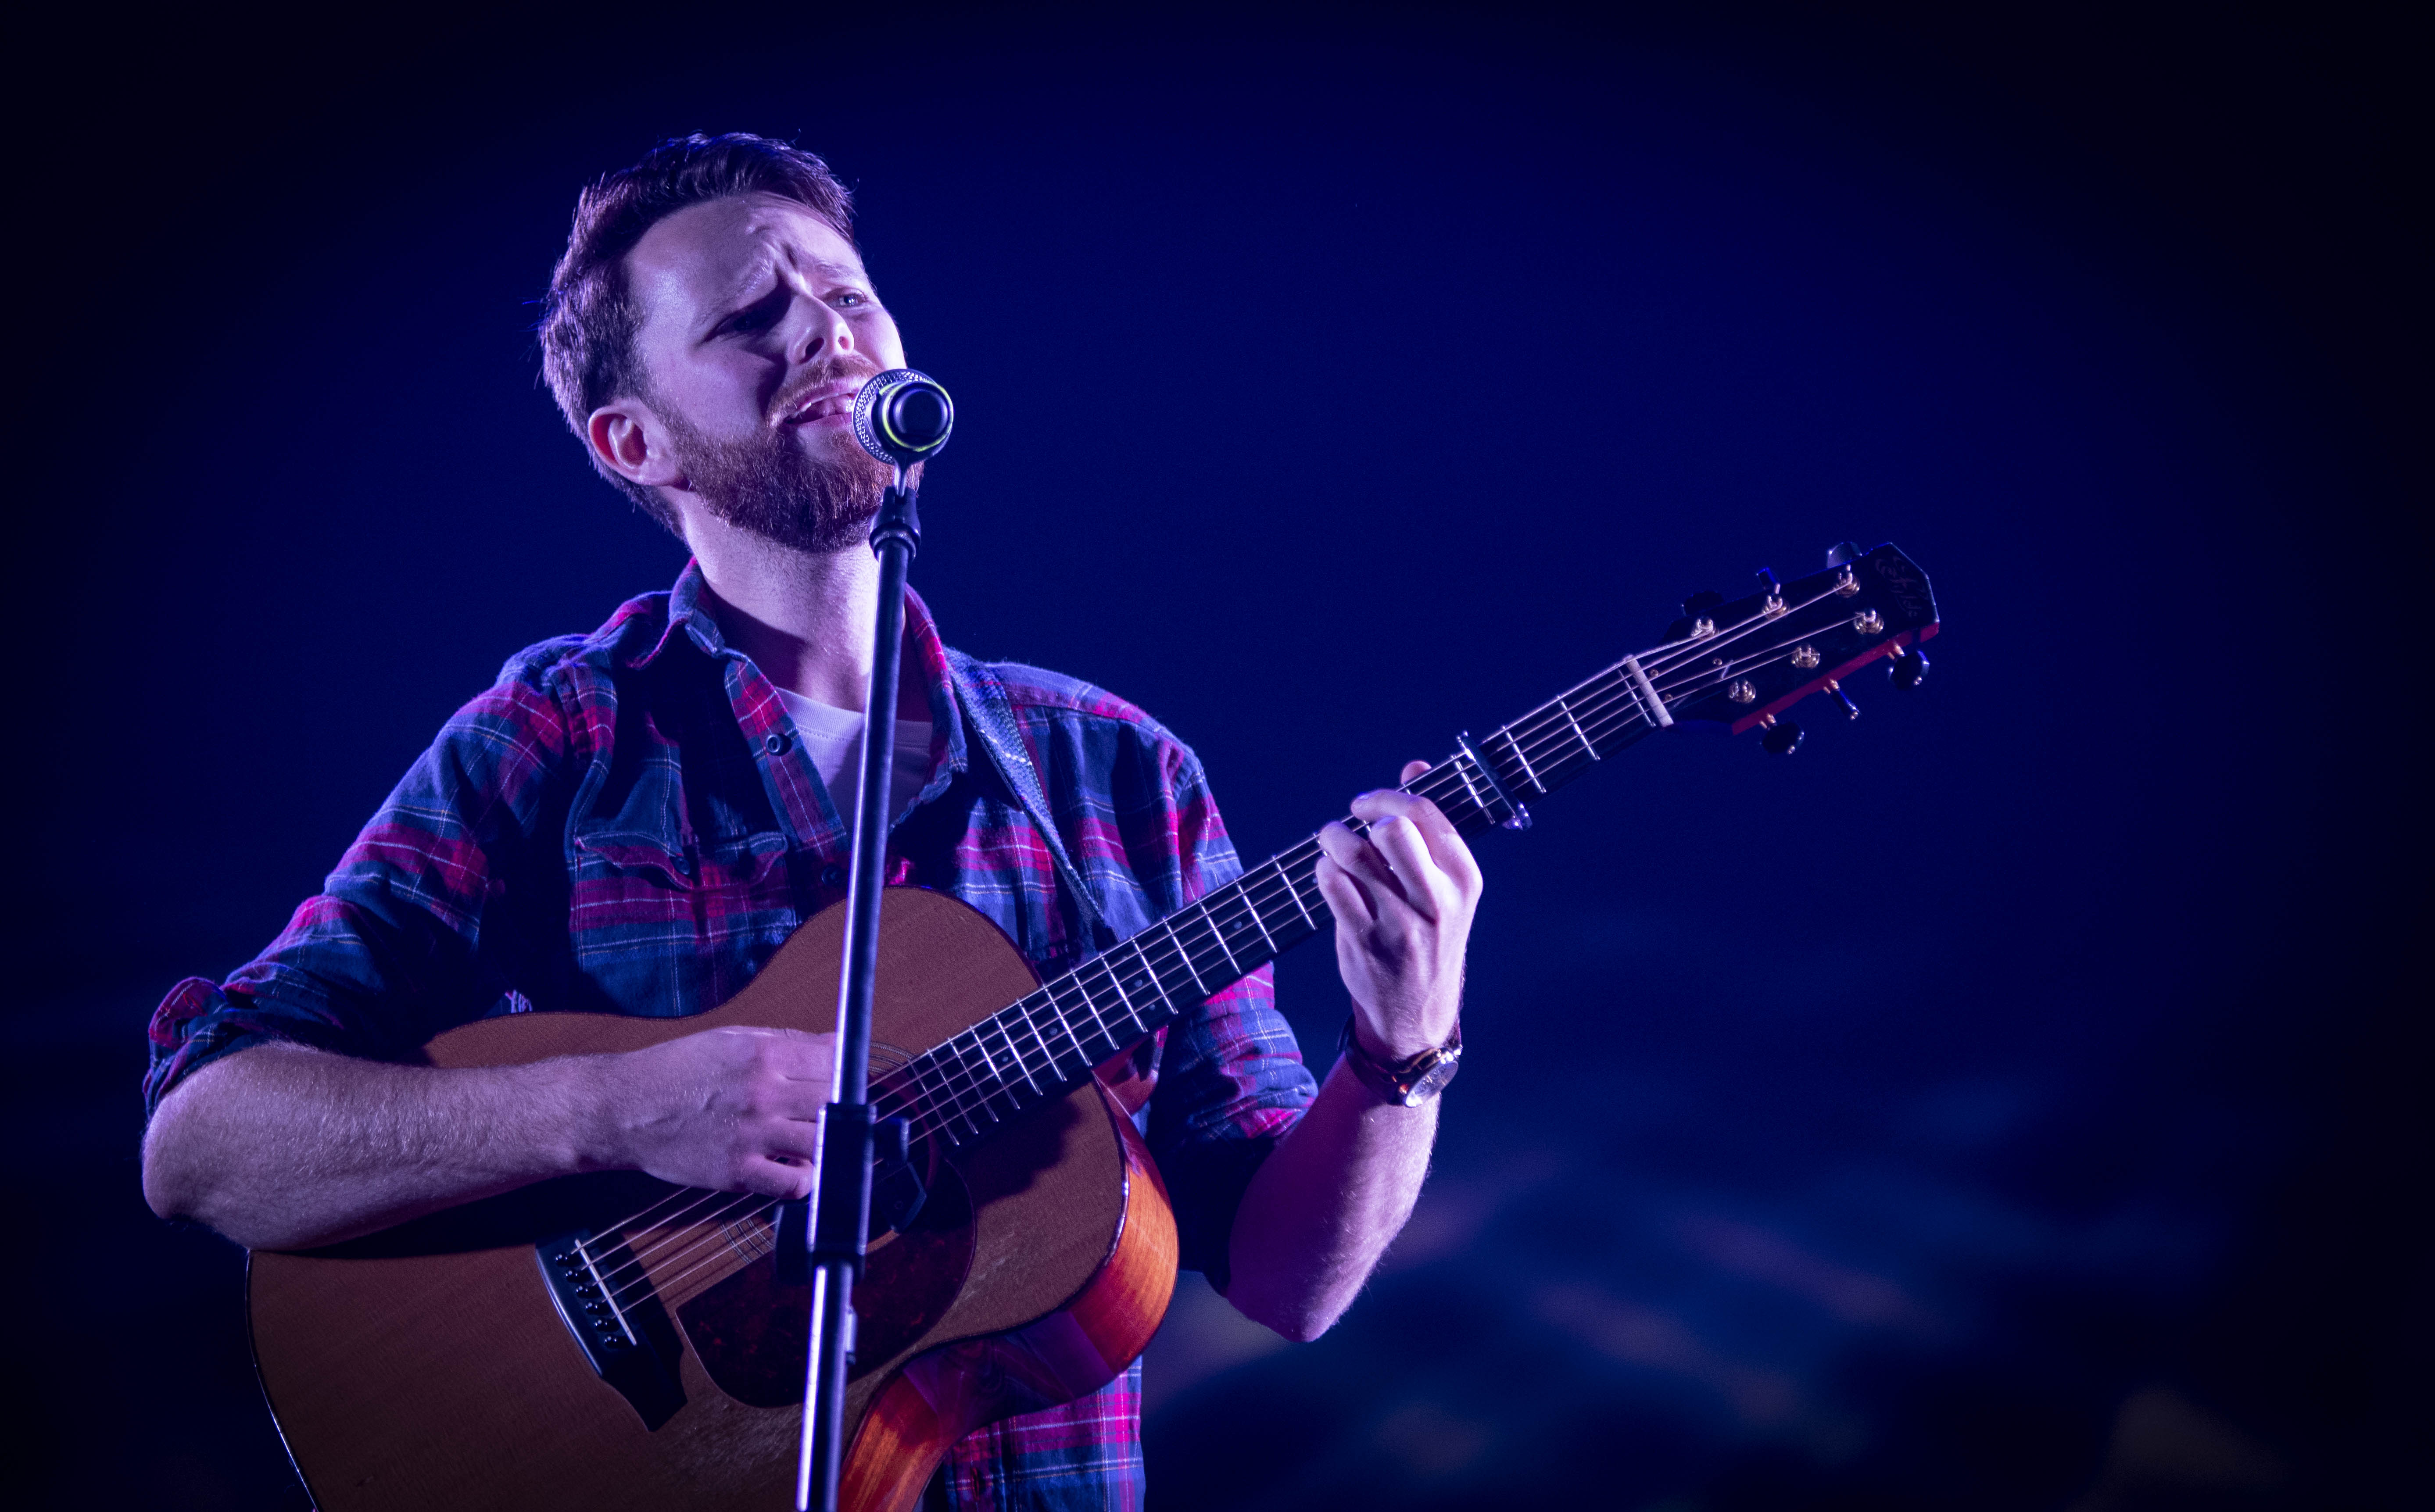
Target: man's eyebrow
[(748, 291), (847, 271), (743, 294)]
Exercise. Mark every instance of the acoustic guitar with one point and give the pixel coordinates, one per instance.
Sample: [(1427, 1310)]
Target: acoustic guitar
[(609, 1341)]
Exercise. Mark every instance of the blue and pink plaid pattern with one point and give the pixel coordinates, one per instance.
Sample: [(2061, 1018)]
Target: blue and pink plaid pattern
[(624, 823)]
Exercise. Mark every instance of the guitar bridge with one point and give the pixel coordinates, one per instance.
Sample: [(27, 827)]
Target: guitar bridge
[(607, 1303)]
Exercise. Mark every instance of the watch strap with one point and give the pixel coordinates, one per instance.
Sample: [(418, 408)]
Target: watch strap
[(1405, 1083)]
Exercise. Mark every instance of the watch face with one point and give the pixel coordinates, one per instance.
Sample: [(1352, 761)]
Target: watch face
[(1432, 1081)]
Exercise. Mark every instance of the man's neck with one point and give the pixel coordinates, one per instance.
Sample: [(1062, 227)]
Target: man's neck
[(804, 618)]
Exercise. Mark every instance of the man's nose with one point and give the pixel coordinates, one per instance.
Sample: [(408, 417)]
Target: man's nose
[(826, 330)]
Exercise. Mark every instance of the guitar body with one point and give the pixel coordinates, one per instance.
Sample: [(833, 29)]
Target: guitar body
[(430, 1366)]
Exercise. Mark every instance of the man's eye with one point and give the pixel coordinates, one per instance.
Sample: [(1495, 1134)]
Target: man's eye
[(850, 298), (751, 320)]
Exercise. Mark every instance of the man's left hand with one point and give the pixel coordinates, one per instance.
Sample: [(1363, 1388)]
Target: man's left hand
[(1403, 895)]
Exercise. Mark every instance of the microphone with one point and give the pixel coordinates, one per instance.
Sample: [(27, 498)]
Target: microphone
[(903, 416)]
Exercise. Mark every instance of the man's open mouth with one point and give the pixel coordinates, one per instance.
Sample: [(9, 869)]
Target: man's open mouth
[(830, 402)]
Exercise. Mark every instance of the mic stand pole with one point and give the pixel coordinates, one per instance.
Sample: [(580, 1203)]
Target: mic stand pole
[(839, 1210)]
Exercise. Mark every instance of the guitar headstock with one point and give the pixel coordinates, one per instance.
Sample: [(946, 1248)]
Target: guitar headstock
[(1742, 664)]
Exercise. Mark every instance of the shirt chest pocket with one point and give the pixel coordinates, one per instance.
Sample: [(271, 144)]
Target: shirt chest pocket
[(625, 877)]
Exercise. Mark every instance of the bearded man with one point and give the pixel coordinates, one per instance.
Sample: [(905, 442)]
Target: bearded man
[(633, 821)]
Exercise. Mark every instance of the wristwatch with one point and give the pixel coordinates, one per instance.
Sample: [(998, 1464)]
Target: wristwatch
[(1404, 1083)]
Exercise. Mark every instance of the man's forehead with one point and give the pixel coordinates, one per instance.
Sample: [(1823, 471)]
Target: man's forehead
[(717, 250)]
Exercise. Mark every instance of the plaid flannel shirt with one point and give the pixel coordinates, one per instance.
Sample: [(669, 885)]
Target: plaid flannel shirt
[(626, 823)]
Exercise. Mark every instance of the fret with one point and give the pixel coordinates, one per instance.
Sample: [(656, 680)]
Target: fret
[(1065, 1021), (1203, 917), (955, 1110), (968, 1093), (1288, 931), (1513, 741), (938, 1098), (1012, 1051), (1145, 1011), (1117, 982), (1046, 998), (1257, 922), (1147, 979), (1567, 709), (1209, 918), (1223, 916), (1168, 924), (934, 1099), (1045, 1053), (1098, 1013), (1469, 790), (975, 1099), (1293, 891), (1231, 926)]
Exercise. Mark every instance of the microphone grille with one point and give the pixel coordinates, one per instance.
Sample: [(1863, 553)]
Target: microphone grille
[(903, 416)]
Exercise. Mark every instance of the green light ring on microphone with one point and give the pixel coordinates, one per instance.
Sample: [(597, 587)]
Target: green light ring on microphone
[(876, 415)]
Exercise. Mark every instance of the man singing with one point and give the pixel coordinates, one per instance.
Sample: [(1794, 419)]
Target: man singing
[(633, 821)]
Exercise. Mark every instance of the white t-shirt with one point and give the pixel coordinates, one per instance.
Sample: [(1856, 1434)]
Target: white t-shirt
[(833, 738)]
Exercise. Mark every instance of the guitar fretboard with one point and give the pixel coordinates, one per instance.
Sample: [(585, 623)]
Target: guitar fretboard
[(1045, 1044)]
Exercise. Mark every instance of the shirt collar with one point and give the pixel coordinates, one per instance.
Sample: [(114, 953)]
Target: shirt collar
[(687, 615)]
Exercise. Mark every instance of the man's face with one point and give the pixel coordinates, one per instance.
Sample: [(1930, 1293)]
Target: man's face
[(758, 326)]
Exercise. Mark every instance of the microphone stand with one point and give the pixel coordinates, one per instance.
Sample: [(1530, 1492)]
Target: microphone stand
[(839, 1212)]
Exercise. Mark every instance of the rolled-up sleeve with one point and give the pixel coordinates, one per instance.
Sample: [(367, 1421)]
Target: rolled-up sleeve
[(391, 950), (1231, 1082)]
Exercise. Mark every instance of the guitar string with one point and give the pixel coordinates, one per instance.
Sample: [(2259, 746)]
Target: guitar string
[(708, 1255), (704, 1250), (680, 1229), (651, 1218), (1539, 728)]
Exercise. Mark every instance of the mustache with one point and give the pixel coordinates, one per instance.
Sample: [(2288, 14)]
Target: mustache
[(861, 369)]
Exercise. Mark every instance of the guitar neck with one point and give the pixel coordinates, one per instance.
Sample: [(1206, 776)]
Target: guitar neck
[(1731, 665), (1045, 1044)]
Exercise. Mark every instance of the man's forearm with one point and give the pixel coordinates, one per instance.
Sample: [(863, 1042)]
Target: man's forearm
[(283, 1147), (1325, 1206)]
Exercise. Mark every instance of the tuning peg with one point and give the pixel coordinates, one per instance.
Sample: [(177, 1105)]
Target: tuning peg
[(1695, 611), (1781, 737), (1851, 710), (1907, 668), (1766, 580), (1842, 553)]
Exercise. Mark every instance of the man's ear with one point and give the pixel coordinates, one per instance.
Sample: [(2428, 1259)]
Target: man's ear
[(629, 439)]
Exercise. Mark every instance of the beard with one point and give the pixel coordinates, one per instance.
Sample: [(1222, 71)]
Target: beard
[(767, 486)]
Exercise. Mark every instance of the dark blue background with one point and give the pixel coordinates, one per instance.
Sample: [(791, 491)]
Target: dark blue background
[(2006, 1102)]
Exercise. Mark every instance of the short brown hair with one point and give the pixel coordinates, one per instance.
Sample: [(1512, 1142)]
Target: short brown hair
[(588, 321)]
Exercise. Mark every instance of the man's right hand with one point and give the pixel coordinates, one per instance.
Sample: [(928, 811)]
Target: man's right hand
[(731, 1109), (285, 1147)]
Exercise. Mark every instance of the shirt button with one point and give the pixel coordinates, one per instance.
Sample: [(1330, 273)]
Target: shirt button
[(685, 865), (831, 876), (775, 744)]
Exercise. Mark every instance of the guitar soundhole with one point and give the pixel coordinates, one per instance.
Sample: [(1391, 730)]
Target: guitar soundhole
[(753, 1335)]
